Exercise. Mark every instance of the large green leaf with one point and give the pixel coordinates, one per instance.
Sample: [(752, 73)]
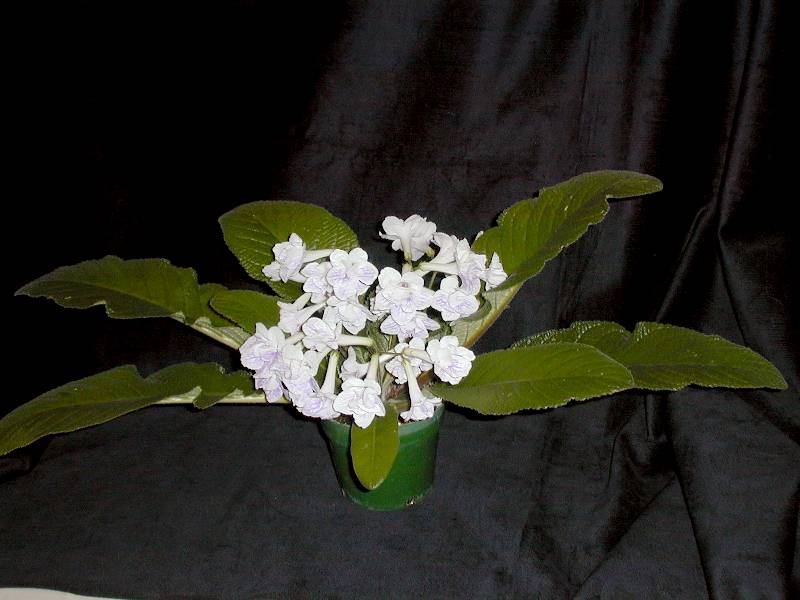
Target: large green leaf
[(374, 448), (666, 357), (251, 230), (110, 394), (129, 289), (606, 336), (246, 308), (507, 381), (531, 232)]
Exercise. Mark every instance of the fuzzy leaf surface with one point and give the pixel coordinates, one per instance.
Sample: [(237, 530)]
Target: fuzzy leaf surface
[(374, 448), (99, 398), (246, 308), (536, 377), (666, 357), (531, 232)]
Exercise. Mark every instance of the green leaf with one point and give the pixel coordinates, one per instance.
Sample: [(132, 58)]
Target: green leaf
[(214, 384), (207, 292), (140, 288), (374, 448), (246, 308), (110, 394), (531, 232), (666, 357), (507, 381), (251, 230), (606, 336)]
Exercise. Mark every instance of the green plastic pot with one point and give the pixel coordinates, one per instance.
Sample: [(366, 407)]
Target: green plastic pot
[(411, 477)]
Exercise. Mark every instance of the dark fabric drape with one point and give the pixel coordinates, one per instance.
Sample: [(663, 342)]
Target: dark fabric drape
[(142, 125)]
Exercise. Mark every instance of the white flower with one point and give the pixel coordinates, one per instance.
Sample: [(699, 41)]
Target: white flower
[(447, 248), (412, 236), (289, 258), (263, 348), (319, 406), (452, 301), (352, 368), (320, 403), (313, 359), (351, 273), (422, 404), (416, 326), (299, 382), (395, 365), (360, 398), (471, 267), (350, 313), (316, 281), (494, 275), (270, 375), (269, 381), (451, 362), (293, 315), (422, 410), (319, 335), (402, 295)]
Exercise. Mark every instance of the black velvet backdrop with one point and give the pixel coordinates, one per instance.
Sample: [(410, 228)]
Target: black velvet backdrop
[(141, 125)]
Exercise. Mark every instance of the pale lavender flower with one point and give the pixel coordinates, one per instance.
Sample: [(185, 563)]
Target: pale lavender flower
[(402, 295), (350, 313), (319, 335), (422, 404), (494, 275), (299, 382), (360, 398), (269, 381), (294, 314), (452, 301), (471, 267), (352, 368), (289, 258), (447, 248), (417, 364), (451, 362), (263, 348), (416, 325), (319, 406), (316, 281), (351, 273), (412, 236)]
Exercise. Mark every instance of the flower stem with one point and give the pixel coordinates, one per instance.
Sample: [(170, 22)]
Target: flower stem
[(354, 340)]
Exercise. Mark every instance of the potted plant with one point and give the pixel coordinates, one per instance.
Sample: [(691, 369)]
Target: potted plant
[(374, 353)]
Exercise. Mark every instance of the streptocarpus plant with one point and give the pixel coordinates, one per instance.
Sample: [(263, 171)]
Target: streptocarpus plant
[(343, 340)]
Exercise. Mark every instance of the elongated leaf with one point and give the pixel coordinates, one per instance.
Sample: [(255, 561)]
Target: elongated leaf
[(666, 357), (214, 384), (251, 230), (246, 308), (110, 394), (140, 288), (606, 336), (507, 381), (531, 232), (207, 292), (374, 449)]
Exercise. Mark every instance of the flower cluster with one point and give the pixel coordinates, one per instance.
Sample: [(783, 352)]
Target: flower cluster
[(342, 293)]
